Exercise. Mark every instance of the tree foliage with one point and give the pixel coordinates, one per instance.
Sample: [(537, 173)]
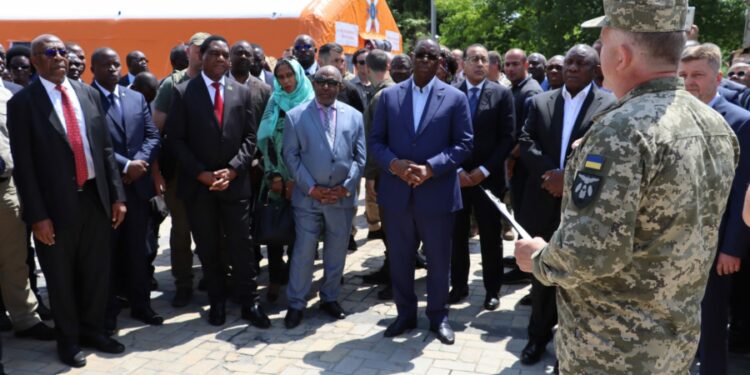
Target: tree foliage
[(547, 26)]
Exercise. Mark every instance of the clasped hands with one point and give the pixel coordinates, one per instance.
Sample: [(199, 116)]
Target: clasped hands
[(410, 172), (217, 180), (326, 195)]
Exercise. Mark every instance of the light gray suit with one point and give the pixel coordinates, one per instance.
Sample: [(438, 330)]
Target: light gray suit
[(312, 162)]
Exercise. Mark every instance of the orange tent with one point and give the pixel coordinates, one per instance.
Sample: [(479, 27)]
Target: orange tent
[(155, 26)]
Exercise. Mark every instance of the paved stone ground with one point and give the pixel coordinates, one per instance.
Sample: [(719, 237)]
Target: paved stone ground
[(486, 342)]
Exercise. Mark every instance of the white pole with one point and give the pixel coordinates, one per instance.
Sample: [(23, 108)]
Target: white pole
[(433, 16)]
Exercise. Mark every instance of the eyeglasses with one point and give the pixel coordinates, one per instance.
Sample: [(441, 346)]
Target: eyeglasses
[(19, 67), (327, 82), (303, 47), (52, 52), (426, 55), (739, 74), (477, 58), (361, 62)]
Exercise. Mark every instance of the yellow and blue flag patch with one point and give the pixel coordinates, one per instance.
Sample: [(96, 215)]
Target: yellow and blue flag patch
[(594, 162)]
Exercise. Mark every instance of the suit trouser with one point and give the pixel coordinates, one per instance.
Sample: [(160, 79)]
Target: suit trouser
[(404, 229), (543, 311), (740, 304), (488, 222), (77, 269), (130, 265), (180, 252), (713, 346), (278, 271), (14, 282), (309, 222), (212, 218), (372, 212)]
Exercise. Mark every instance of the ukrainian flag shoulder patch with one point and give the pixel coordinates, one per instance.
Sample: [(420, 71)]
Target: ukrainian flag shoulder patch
[(594, 162)]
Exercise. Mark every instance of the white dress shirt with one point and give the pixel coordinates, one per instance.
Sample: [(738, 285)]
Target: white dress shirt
[(480, 86), (571, 110), (212, 90), (56, 98), (419, 98)]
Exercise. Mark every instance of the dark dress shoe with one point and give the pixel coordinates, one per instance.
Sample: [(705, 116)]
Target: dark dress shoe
[(516, 276), (71, 355), (510, 262), (456, 295), (491, 303), (444, 333), (333, 309), (532, 352), (386, 294), (352, 244), (380, 276), (182, 297), (217, 314), (102, 343), (376, 234), (400, 325), (525, 300), (147, 316), (254, 313), (44, 312), (293, 318), (39, 331)]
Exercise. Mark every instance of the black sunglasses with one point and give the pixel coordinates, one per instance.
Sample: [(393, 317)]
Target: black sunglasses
[(327, 81), (426, 55), (52, 52), (739, 74), (361, 62), (303, 47), (19, 67)]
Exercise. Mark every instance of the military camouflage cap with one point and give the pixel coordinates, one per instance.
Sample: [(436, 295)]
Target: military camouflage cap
[(642, 16)]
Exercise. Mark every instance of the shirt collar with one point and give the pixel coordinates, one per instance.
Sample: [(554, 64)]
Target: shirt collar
[(209, 81), (107, 92), (322, 107), (50, 86), (714, 100), (426, 88), (131, 77), (469, 86), (581, 94)]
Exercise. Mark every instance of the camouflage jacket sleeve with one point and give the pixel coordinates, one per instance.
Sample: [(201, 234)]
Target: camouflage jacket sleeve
[(603, 184)]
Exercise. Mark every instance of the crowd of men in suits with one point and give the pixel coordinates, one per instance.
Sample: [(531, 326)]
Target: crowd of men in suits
[(436, 134)]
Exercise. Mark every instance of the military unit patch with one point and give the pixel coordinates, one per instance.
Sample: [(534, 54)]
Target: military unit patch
[(585, 187)]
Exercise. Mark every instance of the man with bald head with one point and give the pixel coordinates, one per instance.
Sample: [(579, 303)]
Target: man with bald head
[(242, 58), (554, 71), (71, 191), (421, 134), (136, 62), (324, 149), (304, 50), (537, 66)]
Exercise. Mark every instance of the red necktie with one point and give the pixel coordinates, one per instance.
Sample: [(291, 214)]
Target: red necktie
[(218, 102), (74, 137)]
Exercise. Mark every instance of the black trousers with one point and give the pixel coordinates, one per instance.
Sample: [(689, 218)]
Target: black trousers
[(543, 308), (77, 269), (130, 264), (739, 303), (278, 270), (713, 346), (488, 221), (210, 217)]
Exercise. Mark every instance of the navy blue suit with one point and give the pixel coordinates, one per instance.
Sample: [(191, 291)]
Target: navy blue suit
[(134, 137), (734, 239), (443, 141)]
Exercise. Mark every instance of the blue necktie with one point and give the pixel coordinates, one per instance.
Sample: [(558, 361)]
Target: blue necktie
[(473, 100), (117, 112)]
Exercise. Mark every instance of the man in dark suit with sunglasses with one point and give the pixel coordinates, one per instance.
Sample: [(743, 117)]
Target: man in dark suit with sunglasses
[(420, 135), (70, 189)]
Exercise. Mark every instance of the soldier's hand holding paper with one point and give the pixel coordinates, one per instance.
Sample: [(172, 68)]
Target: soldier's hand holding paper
[(525, 249)]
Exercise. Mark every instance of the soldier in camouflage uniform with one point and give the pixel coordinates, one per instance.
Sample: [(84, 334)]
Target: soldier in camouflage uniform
[(645, 192)]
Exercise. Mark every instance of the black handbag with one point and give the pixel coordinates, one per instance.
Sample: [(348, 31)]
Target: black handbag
[(274, 220)]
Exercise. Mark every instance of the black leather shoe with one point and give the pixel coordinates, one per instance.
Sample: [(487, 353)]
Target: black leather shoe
[(444, 333), (381, 276), (532, 352), (400, 325), (525, 300), (39, 331), (71, 355), (386, 294), (333, 309), (293, 318), (217, 314), (491, 303), (457, 294), (182, 297), (254, 313), (352, 244), (147, 316), (516, 276), (102, 343), (44, 312)]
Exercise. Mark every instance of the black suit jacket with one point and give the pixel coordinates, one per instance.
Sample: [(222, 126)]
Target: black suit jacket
[(493, 124), (526, 89), (124, 81), (540, 143), (200, 144), (44, 164)]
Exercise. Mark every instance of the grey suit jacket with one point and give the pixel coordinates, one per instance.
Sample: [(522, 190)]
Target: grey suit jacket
[(312, 162)]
